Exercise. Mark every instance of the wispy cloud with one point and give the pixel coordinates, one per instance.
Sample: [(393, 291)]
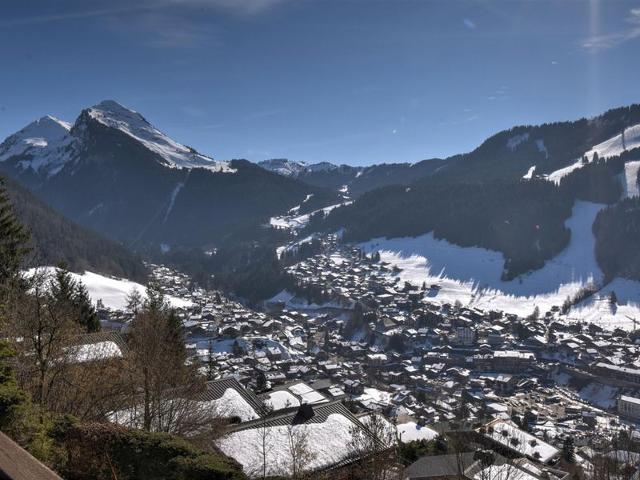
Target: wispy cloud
[(501, 93), (162, 23), (631, 31), (163, 29), (70, 15), (470, 24)]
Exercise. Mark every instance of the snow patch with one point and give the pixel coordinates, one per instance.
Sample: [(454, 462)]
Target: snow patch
[(297, 222), (529, 174), (631, 188), (172, 200), (626, 140), (515, 141), (559, 174)]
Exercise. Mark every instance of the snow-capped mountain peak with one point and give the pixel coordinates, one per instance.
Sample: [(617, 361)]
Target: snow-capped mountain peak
[(294, 168), (173, 154), (46, 145), (283, 166), (43, 143)]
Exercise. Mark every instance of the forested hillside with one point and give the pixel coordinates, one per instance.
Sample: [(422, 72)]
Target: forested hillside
[(523, 220), (617, 232), (55, 239)]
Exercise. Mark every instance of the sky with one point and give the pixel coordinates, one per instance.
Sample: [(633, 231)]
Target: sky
[(345, 81)]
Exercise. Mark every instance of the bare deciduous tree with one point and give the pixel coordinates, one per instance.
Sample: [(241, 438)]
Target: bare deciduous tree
[(375, 448), (300, 452)]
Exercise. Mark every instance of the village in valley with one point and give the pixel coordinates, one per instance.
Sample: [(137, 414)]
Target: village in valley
[(354, 362)]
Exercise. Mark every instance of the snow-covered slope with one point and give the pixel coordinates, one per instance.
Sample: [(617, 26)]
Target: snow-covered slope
[(630, 184), (473, 275), (295, 222), (174, 154), (43, 143), (111, 291), (598, 309), (627, 140), (559, 174)]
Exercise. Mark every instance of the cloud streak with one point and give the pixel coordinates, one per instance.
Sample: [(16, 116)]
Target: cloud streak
[(163, 23), (597, 43)]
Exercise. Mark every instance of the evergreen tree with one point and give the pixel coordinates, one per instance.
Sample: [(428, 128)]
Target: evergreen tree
[(211, 362), (568, 450), (87, 315), (13, 241), (72, 294), (613, 298), (134, 301), (261, 381)]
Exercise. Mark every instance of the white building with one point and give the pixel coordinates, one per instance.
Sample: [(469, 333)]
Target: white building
[(629, 407)]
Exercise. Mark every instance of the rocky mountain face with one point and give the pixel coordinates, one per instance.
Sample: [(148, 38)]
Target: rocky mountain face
[(114, 172)]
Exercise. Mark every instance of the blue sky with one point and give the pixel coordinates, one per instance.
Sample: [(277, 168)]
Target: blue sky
[(346, 81)]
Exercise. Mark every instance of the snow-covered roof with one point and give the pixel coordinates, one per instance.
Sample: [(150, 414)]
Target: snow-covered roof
[(327, 437), (411, 431), (507, 434)]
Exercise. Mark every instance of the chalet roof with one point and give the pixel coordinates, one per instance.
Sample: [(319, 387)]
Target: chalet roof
[(289, 416), (99, 337), (436, 466), (215, 389)]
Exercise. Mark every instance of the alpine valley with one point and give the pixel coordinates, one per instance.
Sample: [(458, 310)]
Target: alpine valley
[(519, 196)]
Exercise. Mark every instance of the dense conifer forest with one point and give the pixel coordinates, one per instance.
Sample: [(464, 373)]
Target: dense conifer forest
[(55, 239)]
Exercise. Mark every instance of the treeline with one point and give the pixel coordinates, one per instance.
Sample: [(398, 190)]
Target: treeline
[(523, 220), (244, 264), (548, 146), (617, 233), (55, 239), (598, 179)]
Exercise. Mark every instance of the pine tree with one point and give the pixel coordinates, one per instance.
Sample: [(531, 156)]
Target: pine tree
[(88, 317), (67, 291), (261, 381), (13, 241), (613, 298), (568, 450), (134, 301), (211, 362)]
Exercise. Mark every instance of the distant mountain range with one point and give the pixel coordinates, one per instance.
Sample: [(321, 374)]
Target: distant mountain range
[(114, 172), (357, 180)]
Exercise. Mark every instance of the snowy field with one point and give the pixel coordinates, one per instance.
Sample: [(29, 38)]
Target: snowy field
[(113, 291), (296, 222), (472, 275)]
